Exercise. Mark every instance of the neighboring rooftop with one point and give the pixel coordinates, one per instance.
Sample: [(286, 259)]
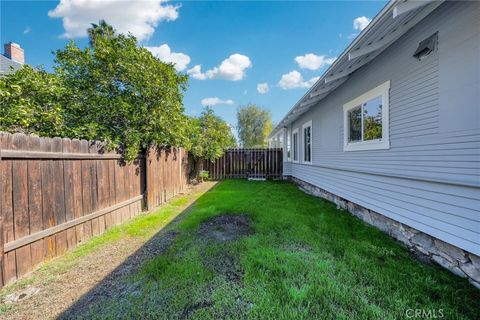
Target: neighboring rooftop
[(12, 59)]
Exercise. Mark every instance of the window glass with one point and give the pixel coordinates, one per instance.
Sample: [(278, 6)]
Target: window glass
[(355, 124), (307, 150), (295, 146), (365, 121), (288, 148), (372, 119)]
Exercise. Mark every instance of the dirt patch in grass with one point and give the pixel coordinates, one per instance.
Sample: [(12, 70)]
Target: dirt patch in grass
[(187, 312), (225, 264), (226, 228), (222, 229)]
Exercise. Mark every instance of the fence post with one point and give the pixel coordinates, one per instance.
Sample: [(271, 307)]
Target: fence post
[(148, 194), (1, 221), (1, 248)]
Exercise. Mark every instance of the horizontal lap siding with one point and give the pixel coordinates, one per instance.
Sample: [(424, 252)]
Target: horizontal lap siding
[(429, 179), (287, 168), (448, 216)]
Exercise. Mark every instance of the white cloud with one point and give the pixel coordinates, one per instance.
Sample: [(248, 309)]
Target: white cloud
[(233, 68), (214, 101), (164, 53), (27, 30), (262, 88), (313, 62), (361, 23), (294, 80), (196, 73), (138, 17)]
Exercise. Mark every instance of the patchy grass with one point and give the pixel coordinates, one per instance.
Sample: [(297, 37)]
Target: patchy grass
[(144, 226), (302, 258)]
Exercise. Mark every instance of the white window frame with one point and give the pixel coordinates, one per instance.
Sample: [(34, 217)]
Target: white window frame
[(287, 145), (306, 125), (274, 142), (296, 131), (383, 143)]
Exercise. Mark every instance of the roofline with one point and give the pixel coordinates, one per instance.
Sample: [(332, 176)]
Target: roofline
[(389, 6)]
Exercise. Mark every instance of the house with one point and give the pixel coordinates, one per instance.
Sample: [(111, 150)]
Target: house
[(12, 60), (391, 131)]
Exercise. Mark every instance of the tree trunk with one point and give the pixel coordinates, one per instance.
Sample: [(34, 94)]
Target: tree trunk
[(196, 169)]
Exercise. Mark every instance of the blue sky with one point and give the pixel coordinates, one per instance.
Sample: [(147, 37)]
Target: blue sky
[(238, 45)]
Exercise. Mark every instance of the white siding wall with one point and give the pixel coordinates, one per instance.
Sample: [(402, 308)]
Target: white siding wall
[(287, 168), (429, 179)]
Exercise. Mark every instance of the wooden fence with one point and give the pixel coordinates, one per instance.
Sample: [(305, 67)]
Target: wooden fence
[(57, 193), (247, 163), (166, 175)]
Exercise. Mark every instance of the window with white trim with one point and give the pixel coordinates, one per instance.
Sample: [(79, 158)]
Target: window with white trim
[(295, 145), (277, 140), (307, 142), (366, 120), (288, 148)]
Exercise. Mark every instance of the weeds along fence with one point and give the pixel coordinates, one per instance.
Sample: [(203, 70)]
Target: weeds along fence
[(265, 163), (57, 193)]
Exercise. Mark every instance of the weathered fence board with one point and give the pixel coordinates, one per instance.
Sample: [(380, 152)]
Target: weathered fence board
[(167, 169), (247, 163), (57, 193)]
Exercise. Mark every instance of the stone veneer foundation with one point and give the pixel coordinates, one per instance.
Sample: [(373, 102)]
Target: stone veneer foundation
[(458, 261)]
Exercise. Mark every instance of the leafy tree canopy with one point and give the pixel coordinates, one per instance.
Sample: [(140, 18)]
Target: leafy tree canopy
[(32, 101), (254, 124), (112, 90), (210, 136)]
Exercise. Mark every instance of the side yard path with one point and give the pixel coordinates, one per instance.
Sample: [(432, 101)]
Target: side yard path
[(245, 250), (97, 267)]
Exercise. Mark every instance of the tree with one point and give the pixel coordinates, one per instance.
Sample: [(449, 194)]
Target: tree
[(32, 102), (120, 93), (254, 124), (113, 90), (209, 137)]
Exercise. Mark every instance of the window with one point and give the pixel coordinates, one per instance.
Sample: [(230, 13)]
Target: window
[(277, 140), (280, 139), (366, 120), (295, 145), (307, 142), (289, 147)]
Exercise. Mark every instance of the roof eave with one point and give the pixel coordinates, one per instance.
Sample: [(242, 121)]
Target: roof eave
[(386, 10)]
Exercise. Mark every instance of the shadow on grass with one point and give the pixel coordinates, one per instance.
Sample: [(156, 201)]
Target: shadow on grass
[(118, 284), (302, 259)]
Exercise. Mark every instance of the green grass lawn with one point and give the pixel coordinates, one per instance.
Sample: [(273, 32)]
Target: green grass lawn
[(303, 259)]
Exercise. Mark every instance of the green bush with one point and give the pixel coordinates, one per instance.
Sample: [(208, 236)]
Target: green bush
[(203, 175)]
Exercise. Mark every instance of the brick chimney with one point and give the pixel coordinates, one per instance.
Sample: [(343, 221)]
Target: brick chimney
[(14, 52)]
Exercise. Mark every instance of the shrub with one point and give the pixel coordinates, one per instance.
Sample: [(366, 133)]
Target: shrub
[(203, 175)]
